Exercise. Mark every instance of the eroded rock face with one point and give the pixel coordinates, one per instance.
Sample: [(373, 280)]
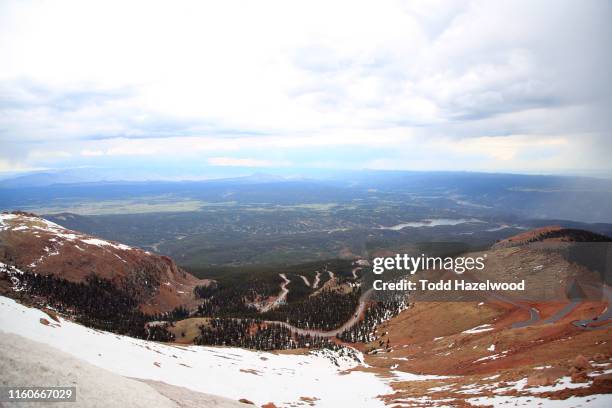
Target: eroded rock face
[(34, 244)]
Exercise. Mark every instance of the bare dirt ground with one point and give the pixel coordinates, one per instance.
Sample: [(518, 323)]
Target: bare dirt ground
[(529, 347), (441, 339)]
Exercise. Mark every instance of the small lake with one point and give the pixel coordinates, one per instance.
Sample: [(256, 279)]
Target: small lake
[(432, 222)]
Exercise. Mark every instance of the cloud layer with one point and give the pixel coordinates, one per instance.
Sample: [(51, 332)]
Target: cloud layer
[(480, 85)]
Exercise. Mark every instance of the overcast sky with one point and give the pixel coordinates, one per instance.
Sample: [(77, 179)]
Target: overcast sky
[(420, 85)]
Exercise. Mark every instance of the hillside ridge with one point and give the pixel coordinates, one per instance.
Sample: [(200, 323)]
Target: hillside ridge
[(551, 233), (34, 244)]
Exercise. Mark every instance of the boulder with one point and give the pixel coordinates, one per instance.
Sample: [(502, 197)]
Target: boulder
[(545, 377), (580, 377), (581, 362)]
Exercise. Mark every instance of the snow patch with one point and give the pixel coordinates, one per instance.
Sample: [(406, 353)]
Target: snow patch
[(479, 329), (404, 376), (101, 242), (492, 357)]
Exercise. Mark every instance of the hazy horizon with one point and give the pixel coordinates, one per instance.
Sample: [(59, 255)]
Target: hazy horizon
[(91, 174)]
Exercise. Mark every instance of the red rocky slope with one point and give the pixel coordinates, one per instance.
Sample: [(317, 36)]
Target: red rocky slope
[(34, 244)]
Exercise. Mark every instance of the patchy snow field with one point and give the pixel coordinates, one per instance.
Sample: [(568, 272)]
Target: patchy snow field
[(319, 379), (592, 401), (15, 222), (234, 373)]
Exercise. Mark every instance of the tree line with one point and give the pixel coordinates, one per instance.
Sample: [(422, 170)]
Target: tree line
[(254, 334), (96, 303), (365, 330)]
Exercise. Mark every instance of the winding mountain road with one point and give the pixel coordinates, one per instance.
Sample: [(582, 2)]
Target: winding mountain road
[(561, 313), (534, 314), (317, 280), (363, 299), (281, 298), (585, 324), (604, 317)]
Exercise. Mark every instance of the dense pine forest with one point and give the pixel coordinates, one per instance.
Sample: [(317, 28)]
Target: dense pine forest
[(326, 311), (100, 304), (96, 303), (255, 334), (235, 292)]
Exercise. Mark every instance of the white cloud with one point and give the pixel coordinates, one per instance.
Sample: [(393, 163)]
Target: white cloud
[(243, 162), (141, 78), (8, 166), (504, 148), (92, 153), (195, 145), (48, 154)]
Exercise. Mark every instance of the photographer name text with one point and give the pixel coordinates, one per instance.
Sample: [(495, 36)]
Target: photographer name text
[(444, 285)]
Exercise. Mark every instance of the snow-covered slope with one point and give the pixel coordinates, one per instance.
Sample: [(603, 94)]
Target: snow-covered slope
[(285, 380), (30, 363)]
